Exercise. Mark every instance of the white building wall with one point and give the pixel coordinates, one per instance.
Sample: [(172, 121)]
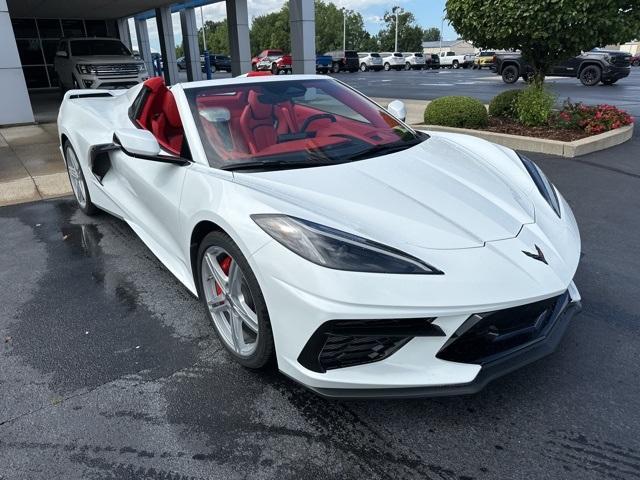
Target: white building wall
[(16, 107)]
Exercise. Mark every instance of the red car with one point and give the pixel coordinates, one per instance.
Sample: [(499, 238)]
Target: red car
[(265, 53), (276, 65), (635, 60)]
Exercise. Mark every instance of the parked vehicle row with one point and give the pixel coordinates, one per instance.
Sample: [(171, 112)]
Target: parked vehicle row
[(590, 68)]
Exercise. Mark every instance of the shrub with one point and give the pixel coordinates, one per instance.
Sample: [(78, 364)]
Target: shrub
[(455, 111), (592, 119), (534, 106), (504, 104)]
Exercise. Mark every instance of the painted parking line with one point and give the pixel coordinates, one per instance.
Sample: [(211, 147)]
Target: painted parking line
[(437, 84)]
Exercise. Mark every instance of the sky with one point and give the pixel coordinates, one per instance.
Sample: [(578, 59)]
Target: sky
[(428, 14)]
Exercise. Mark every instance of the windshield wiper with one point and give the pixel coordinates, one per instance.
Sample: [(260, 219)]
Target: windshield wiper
[(383, 149), (276, 165)]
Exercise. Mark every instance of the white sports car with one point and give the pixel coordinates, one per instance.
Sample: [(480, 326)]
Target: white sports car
[(325, 236)]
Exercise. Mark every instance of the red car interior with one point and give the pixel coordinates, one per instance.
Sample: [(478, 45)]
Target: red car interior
[(160, 115), (238, 122)]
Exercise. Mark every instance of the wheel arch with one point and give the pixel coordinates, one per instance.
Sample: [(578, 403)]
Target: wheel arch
[(510, 63), (587, 63), (200, 230)]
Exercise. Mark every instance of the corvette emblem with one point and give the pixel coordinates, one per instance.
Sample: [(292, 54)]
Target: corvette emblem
[(538, 255)]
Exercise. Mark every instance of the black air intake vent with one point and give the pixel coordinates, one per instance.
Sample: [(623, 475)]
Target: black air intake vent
[(345, 343)]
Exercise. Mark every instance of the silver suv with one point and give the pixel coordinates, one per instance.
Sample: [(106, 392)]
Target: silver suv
[(97, 63)]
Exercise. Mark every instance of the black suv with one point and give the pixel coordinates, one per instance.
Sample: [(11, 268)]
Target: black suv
[(344, 60), (591, 67)]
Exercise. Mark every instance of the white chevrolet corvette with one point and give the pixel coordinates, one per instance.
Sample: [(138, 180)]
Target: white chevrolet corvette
[(325, 236)]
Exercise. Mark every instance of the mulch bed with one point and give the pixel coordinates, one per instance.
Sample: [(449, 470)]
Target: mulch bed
[(505, 125)]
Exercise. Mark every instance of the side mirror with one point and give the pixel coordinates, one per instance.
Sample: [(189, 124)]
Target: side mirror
[(139, 143), (398, 109), (61, 53)]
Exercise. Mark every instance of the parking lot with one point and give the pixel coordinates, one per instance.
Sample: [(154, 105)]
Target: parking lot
[(110, 369)]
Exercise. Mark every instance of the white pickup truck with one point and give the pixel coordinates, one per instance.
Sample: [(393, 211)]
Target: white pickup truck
[(451, 60)]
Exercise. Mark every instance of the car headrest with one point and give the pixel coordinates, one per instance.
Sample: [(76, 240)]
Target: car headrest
[(259, 110), (170, 110), (155, 83)]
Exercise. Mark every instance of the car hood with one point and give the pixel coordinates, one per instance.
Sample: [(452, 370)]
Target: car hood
[(93, 59), (434, 195)]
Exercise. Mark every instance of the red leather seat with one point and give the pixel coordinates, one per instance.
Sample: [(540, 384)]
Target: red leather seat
[(160, 116), (258, 124)]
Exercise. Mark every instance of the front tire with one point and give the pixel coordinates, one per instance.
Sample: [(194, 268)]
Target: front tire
[(387, 67), (407, 66), (510, 74), (335, 68), (590, 75), (363, 67), (234, 301), (77, 181)]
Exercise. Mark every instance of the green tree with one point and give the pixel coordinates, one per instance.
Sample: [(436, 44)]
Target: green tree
[(217, 36), (431, 34), (410, 35), (329, 28), (271, 31), (545, 31)]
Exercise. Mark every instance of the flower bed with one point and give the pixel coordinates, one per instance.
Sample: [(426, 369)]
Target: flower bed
[(529, 113)]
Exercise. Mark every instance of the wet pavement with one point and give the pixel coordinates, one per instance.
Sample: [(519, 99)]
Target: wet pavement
[(110, 370)]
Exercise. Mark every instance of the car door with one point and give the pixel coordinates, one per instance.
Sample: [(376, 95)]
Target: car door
[(566, 68), (149, 193)]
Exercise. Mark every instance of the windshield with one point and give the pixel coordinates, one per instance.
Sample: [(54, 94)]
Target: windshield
[(294, 122), (98, 47), (397, 54)]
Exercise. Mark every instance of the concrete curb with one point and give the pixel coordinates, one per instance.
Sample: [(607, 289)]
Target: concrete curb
[(573, 149), (30, 189)]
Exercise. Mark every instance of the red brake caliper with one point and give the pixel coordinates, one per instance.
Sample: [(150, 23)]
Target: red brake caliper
[(225, 264)]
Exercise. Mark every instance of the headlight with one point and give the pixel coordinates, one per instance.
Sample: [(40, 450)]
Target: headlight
[(86, 69), (546, 189), (339, 250)]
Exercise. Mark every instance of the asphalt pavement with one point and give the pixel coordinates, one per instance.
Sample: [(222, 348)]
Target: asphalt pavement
[(109, 368)]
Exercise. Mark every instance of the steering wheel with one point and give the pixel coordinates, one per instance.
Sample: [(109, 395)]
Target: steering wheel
[(313, 118)]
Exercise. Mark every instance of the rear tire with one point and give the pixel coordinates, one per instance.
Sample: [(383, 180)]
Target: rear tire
[(407, 66), (387, 67), (241, 300), (590, 75), (335, 68), (77, 181), (455, 64), (363, 67), (510, 74)]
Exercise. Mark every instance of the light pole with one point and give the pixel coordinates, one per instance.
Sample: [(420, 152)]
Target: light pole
[(344, 28), (395, 10), (204, 39), (441, 28)]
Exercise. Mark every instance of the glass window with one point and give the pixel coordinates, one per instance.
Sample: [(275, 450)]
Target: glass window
[(73, 28), (24, 27), (49, 28), (29, 51), (375, 55), (50, 47), (98, 47), (96, 28), (36, 77), (397, 54), (305, 122)]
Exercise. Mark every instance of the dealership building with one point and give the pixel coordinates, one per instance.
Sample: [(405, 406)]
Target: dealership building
[(30, 31)]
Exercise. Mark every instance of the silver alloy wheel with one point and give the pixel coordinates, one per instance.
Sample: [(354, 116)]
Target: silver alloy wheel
[(75, 177), (229, 301)]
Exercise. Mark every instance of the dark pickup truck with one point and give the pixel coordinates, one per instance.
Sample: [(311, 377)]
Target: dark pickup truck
[(344, 60), (590, 68)]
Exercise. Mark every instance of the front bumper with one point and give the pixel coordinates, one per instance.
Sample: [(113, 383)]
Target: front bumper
[(615, 73), (515, 358), (111, 82)]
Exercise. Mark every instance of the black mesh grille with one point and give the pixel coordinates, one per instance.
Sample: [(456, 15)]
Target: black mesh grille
[(344, 343), (485, 337), (340, 351)]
